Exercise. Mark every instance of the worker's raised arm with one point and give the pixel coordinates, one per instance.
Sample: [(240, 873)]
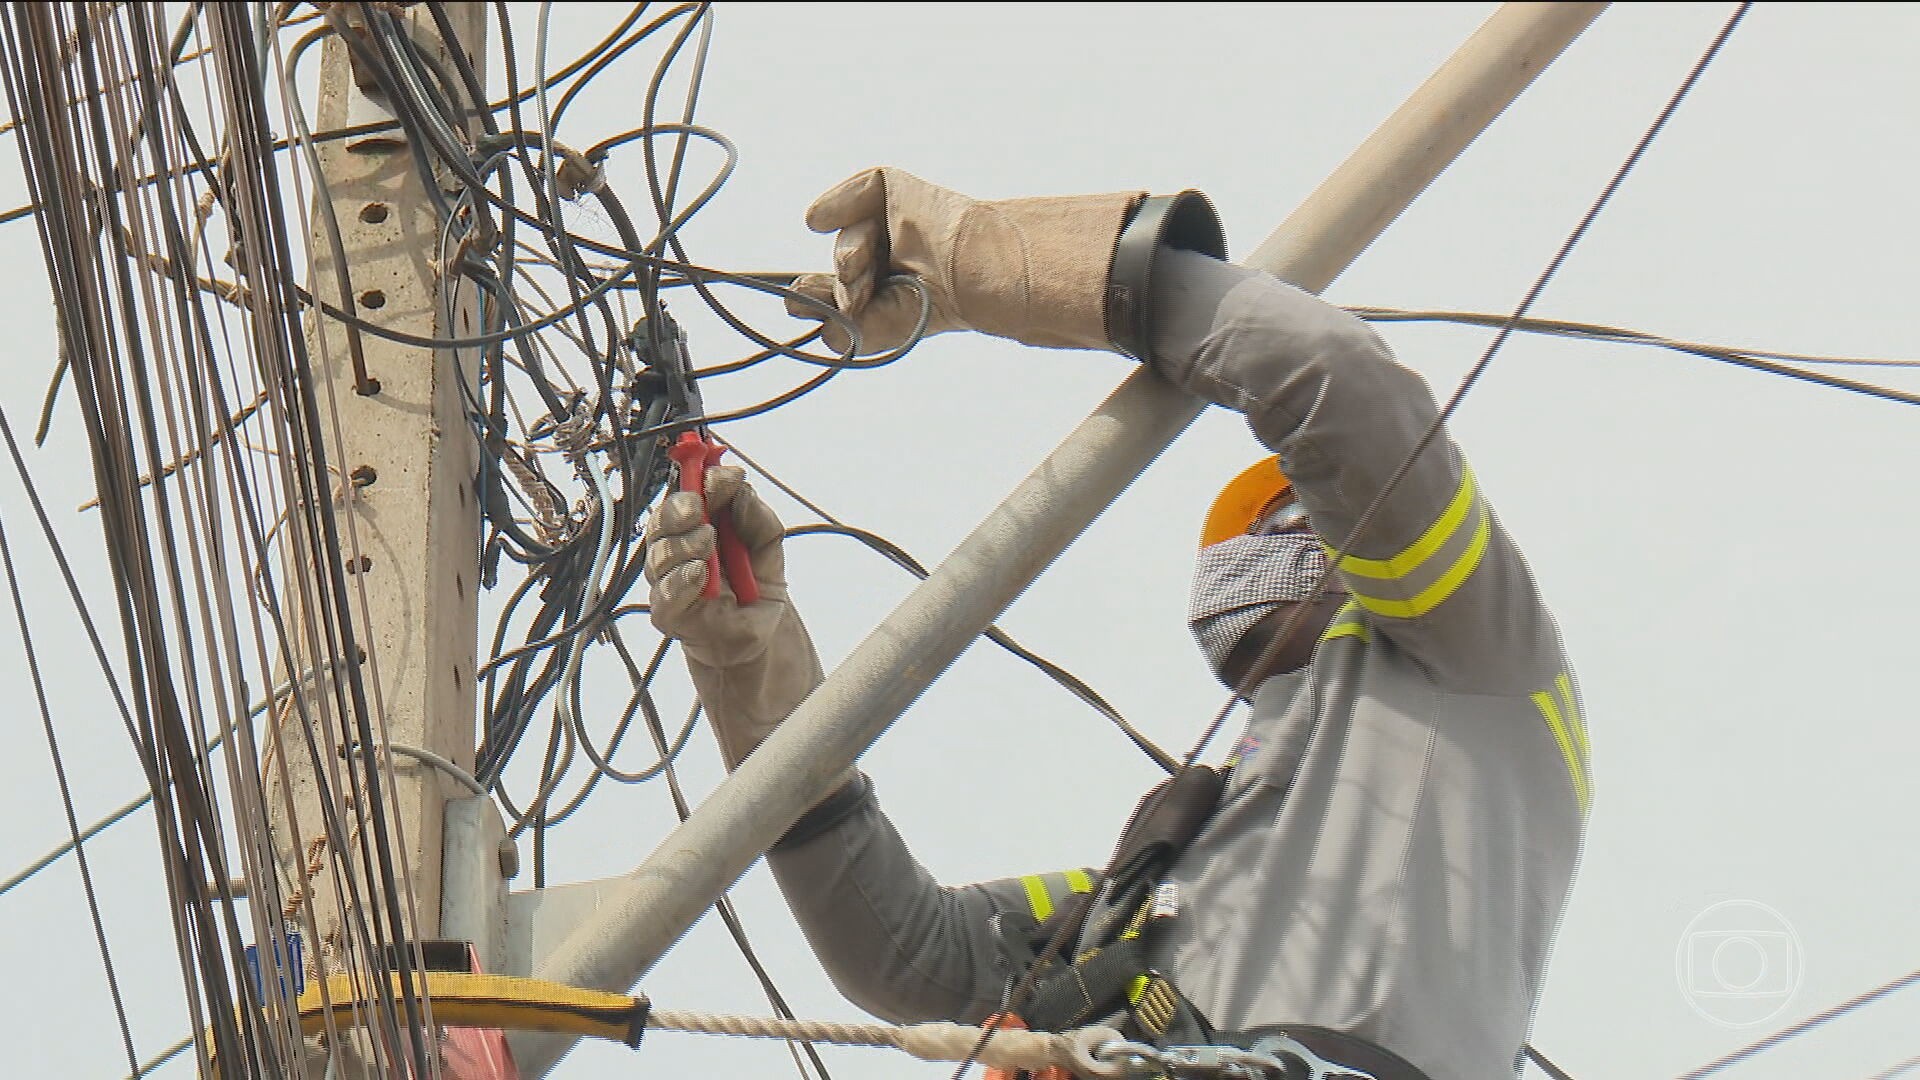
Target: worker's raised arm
[(1433, 569), (894, 940)]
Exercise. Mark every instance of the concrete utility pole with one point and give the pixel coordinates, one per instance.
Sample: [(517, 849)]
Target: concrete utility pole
[(404, 460), (641, 916)]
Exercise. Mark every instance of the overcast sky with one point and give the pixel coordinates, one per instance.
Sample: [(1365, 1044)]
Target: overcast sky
[(1725, 550)]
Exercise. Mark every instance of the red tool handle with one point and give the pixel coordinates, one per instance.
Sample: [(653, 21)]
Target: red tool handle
[(695, 455), (734, 560)]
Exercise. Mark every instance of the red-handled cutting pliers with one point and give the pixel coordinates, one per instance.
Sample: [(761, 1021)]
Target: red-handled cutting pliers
[(694, 452)]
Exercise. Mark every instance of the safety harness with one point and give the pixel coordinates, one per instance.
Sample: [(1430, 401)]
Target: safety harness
[(1106, 935)]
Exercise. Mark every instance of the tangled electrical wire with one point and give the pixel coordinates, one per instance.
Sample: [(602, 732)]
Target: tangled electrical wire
[(208, 422), (575, 403), (571, 434)]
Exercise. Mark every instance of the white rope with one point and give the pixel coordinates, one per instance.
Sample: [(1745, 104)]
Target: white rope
[(1009, 1048)]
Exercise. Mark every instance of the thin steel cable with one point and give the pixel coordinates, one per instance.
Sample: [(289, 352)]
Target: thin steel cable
[(1773, 363), (31, 655), (1902, 1068), (404, 892), (1811, 1023), (124, 811), (147, 1067), (202, 546), (1546, 1064), (54, 156), (1604, 332), (901, 558), (729, 915)]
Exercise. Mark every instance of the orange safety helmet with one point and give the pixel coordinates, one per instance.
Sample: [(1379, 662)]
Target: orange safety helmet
[(1246, 499)]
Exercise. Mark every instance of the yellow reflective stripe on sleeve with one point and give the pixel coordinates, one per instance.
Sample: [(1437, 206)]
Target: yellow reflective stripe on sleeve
[(1576, 765), (1446, 585), (1347, 629), (1040, 898), (1574, 720), (1346, 623), (1420, 550), (1037, 897)]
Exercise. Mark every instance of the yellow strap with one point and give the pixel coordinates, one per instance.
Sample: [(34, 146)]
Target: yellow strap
[(1155, 1003), (1079, 881), (481, 1001)]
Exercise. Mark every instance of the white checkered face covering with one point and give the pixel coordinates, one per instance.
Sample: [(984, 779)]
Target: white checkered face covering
[(1238, 582)]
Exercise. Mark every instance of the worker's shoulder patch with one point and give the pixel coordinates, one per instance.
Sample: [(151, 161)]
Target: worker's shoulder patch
[(1244, 750)]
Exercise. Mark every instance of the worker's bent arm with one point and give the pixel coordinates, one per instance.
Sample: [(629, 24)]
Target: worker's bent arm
[(1433, 570), (895, 941)]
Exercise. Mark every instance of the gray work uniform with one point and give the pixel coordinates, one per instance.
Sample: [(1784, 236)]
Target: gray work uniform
[(1396, 843)]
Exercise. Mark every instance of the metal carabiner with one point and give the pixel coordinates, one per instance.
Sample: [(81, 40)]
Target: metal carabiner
[(1282, 1047), (1115, 1058)]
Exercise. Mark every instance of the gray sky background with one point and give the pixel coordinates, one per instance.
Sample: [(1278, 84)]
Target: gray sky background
[(1725, 550)]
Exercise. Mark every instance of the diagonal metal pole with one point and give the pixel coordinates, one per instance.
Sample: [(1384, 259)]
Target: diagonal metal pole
[(694, 865)]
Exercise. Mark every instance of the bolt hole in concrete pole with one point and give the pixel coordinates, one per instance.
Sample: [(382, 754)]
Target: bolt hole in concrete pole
[(373, 299), (374, 213), (359, 566), (363, 475)]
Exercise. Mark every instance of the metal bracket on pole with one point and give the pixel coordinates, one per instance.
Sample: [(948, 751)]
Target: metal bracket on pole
[(366, 104), (511, 931), (538, 921), (476, 861), (364, 108), (694, 865)]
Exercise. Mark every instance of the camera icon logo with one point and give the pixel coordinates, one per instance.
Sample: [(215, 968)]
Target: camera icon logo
[(1739, 963)]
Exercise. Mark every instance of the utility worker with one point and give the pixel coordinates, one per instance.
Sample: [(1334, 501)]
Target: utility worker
[(1377, 889)]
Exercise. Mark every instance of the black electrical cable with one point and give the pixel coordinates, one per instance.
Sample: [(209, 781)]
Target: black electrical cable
[(53, 180), (249, 122), (205, 163), (1072, 683), (724, 906)]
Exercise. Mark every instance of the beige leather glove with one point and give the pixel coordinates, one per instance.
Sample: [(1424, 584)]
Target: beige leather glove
[(1034, 270), (752, 664)]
